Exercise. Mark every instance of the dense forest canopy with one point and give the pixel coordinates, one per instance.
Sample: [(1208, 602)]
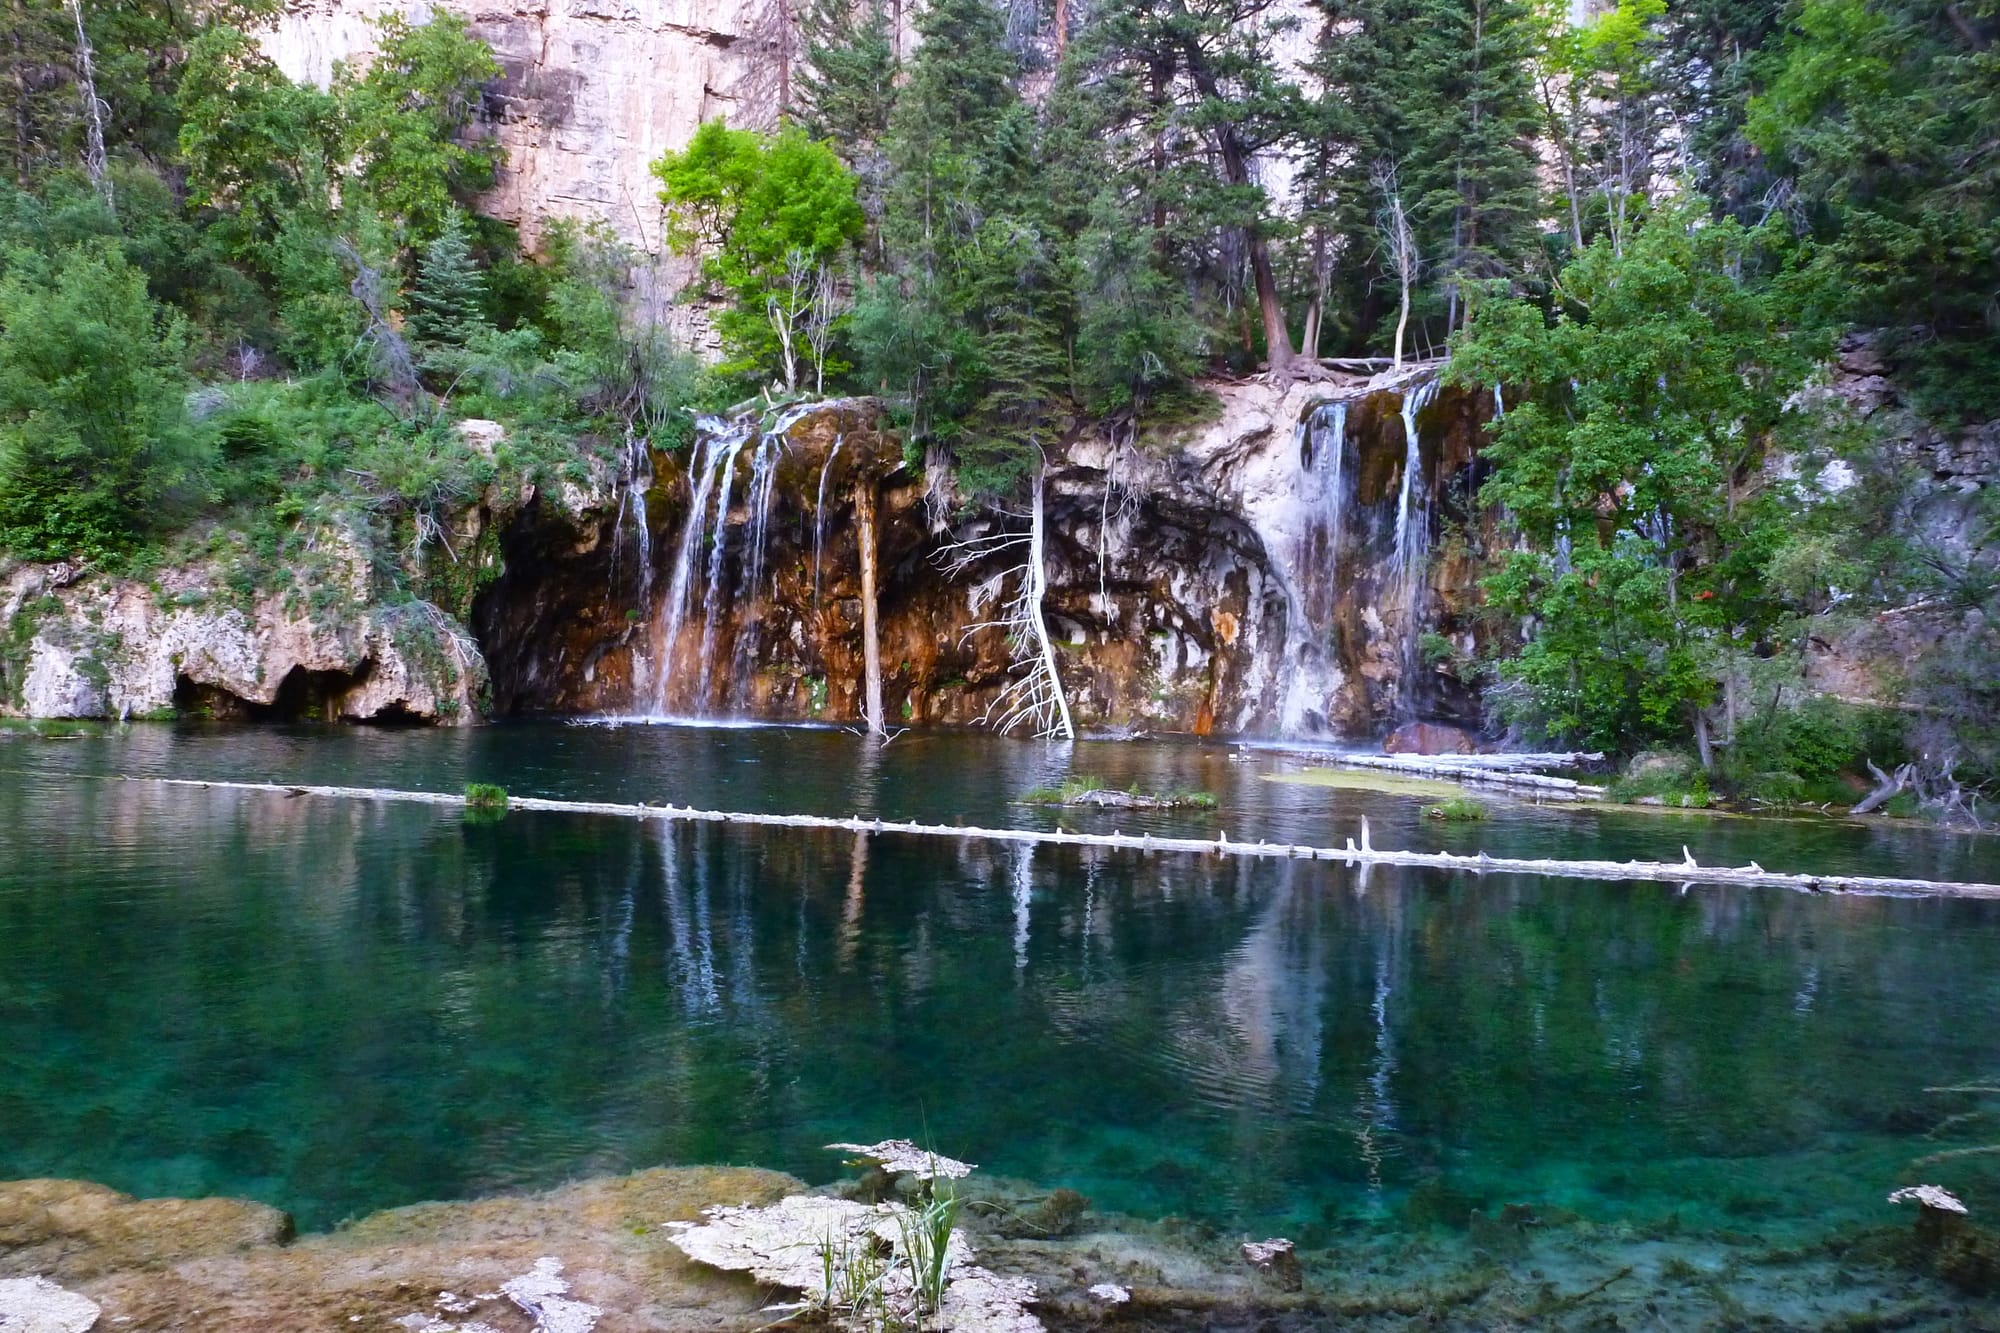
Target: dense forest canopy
[(224, 294)]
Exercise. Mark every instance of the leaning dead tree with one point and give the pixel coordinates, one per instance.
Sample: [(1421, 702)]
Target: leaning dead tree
[(1035, 694)]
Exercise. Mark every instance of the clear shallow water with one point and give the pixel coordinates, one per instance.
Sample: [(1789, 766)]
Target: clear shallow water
[(337, 1007)]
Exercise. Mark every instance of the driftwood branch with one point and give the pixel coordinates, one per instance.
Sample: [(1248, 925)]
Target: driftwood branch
[(1887, 788)]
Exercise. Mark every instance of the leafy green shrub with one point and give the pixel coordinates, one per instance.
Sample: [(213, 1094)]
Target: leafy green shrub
[(1457, 810), (1068, 790), (1797, 753), (485, 796), (96, 448)]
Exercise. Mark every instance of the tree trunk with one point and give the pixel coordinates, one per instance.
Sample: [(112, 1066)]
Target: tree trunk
[(1032, 595), (871, 640), (1236, 171)]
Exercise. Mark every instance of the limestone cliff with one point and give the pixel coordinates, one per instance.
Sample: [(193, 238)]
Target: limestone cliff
[(591, 91)]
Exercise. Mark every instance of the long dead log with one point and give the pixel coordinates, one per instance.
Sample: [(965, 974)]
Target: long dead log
[(871, 637), (1473, 770), (1684, 872)]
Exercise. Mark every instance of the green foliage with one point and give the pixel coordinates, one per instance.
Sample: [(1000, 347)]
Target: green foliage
[(1631, 467), (964, 327), (96, 450), (485, 796), (1457, 810), (1663, 777), (773, 216), (847, 79), (1068, 790), (926, 1229), (448, 300), (258, 148), (404, 120), (1884, 113), (1434, 96), (1796, 753)]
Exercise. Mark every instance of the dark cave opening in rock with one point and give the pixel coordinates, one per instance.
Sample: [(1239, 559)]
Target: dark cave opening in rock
[(303, 696)]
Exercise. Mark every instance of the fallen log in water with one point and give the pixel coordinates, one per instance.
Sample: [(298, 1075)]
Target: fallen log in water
[(1684, 872), (1513, 772)]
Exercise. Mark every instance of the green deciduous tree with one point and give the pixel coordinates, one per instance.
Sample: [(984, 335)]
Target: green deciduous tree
[(1630, 462), (258, 148), (406, 116), (773, 217)]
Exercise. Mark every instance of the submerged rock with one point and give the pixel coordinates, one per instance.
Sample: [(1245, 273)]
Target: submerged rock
[(901, 1157), (76, 1230), (1277, 1259), (219, 1266)]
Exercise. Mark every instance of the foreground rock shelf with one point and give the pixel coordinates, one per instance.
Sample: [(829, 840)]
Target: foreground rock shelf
[(606, 1255), (1685, 872)]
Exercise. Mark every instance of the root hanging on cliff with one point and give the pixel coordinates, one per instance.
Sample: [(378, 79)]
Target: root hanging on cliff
[(1035, 694)]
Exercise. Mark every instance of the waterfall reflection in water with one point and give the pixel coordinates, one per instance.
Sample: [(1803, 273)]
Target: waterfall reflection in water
[(338, 1008)]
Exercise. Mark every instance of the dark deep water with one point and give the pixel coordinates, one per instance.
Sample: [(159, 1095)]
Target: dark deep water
[(337, 1007)]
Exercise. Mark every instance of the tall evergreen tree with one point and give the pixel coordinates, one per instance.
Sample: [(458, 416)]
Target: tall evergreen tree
[(1207, 99), (964, 324), (447, 301), (1884, 114), (846, 82), (1434, 96)]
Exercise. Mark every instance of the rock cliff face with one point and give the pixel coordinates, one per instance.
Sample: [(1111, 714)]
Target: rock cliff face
[(1243, 578), (1293, 566), (90, 647), (590, 93)]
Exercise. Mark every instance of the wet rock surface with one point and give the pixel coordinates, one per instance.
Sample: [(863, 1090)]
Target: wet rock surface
[(467, 1267), (1233, 576)]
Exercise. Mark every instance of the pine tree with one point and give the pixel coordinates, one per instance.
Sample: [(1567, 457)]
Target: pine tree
[(447, 303), (1434, 95), (965, 324), (1206, 99), (1474, 123), (846, 85)]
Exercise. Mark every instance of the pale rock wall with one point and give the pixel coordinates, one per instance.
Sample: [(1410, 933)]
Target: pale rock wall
[(93, 647), (591, 93)]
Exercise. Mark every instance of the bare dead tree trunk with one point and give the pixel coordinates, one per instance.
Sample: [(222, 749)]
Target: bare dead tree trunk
[(871, 638), (1400, 240), (1887, 788), (93, 108)]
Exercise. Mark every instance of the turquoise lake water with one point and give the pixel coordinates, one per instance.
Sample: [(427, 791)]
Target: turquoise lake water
[(337, 1007)]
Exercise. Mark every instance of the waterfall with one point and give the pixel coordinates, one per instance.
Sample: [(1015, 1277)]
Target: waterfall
[(1413, 539), (819, 515), (707, 530), (763, 481), (1412, 526), (637, 466), (721, 441), (712, 600), (1321, 441)]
